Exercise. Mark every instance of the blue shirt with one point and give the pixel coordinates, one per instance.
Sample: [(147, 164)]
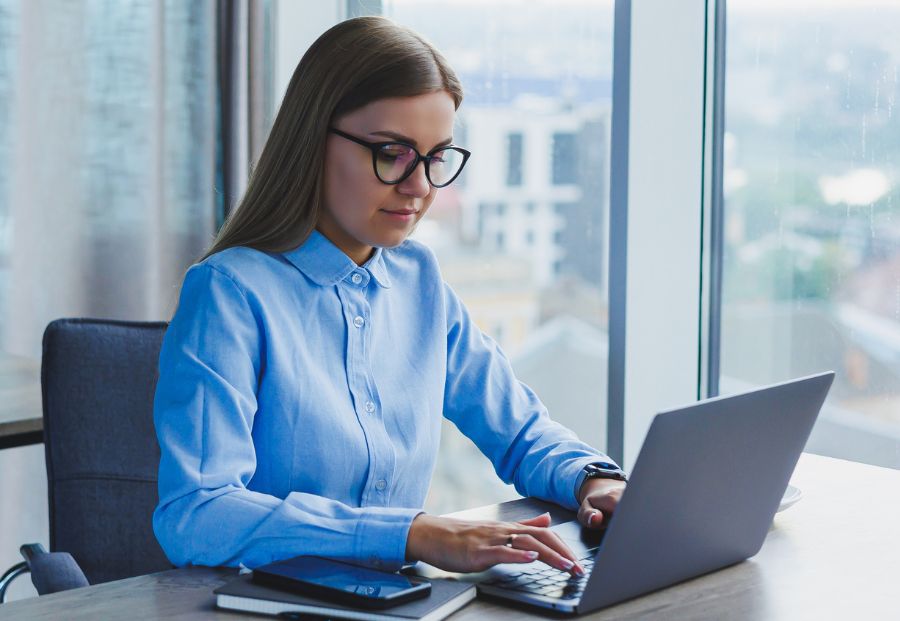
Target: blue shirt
[(299, 406)]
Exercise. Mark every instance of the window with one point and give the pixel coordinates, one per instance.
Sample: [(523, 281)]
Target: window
[(811, 271), (514, 159), (565, 158), (535, 77)]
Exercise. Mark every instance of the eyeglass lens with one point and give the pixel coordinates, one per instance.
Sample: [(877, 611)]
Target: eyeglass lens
[(394, 161)]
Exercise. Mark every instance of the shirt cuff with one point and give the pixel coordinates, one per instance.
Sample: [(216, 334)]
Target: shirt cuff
[(381, 536)]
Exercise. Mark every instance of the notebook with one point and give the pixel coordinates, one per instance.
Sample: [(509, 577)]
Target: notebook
[(447, 596)]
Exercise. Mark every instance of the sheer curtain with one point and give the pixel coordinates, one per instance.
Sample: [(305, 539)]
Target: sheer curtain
[(127, 129)]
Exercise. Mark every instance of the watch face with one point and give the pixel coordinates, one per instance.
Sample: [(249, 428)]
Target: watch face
[(604, 471)]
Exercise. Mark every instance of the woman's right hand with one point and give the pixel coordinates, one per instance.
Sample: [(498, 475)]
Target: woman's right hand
[(465, 546)]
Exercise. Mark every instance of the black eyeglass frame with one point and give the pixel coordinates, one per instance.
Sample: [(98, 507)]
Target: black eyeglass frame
[(375, 147)]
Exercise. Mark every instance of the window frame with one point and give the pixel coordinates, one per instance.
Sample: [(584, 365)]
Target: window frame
[(658, 194)]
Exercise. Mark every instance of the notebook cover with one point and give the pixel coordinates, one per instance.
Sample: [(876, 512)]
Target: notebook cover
[(242, 594)]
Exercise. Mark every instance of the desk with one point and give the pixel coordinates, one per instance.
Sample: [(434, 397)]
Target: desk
[(834, 555), (21, 418)]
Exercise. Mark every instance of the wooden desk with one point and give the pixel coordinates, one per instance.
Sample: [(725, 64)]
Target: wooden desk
[(21, 419), (834, 555)]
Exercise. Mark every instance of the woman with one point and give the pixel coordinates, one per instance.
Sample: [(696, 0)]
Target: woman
[(315, 349)]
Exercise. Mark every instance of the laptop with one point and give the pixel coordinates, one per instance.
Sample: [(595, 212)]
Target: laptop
[(701, 496)]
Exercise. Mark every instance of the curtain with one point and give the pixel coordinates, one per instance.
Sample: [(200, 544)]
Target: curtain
[(128, 131)]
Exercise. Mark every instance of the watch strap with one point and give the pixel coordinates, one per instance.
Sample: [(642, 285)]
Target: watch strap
[(599, 470)]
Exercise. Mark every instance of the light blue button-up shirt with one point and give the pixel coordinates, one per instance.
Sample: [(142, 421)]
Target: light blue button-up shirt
[(299, 406)]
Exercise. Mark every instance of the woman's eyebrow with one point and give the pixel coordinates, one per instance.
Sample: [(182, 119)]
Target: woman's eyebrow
[(407, 139)]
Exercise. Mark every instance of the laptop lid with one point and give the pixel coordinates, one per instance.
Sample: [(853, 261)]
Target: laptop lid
[(704, 489)]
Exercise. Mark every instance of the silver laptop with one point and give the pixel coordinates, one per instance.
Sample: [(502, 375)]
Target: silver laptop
[(704, 489)]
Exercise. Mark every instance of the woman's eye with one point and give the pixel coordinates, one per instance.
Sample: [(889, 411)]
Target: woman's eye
[(392, 153)]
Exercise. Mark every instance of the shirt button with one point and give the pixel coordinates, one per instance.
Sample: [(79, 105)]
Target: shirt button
[(370, 407), (380, 485), (356, 278), (358, 322)]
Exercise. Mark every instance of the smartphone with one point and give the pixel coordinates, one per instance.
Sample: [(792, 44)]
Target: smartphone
[(340, 582)]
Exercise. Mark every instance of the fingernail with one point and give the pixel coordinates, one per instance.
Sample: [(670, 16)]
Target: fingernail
[(567, 564), (532, 555), (579, 570), (591, 519)]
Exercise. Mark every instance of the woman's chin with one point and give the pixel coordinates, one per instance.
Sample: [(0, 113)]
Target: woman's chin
[(392, 241)]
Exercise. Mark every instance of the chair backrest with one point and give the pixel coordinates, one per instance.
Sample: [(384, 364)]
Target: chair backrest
[(98, 378)]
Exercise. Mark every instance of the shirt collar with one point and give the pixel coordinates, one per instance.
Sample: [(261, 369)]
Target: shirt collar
[(326, 264)]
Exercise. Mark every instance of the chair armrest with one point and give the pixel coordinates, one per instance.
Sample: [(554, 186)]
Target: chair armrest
[(11, 574), (52, 572)]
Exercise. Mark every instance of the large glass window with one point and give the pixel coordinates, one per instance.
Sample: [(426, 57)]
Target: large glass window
[(523, 237), (812, 212)]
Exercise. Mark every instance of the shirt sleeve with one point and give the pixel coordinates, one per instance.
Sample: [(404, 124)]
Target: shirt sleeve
[(205, 403), (504, 417)]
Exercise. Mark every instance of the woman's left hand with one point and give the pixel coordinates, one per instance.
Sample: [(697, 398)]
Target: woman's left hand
[(598, 499)]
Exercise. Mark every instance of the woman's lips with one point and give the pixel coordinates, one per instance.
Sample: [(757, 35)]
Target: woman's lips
[(401, 214)]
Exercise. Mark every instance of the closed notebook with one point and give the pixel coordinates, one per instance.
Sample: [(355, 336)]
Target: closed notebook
[(447, 596)]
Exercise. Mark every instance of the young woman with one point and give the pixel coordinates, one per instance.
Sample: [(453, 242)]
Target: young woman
[(315, 348)]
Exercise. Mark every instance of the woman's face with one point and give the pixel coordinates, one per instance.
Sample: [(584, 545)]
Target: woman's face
[(360, 212)]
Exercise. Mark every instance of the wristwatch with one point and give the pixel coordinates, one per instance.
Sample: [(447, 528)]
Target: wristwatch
[(599, 470)]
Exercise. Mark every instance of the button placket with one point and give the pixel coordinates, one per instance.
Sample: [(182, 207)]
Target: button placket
[(381, 459), (359, 379)]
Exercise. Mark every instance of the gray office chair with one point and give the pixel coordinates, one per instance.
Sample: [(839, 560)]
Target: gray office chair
[(97, 381)]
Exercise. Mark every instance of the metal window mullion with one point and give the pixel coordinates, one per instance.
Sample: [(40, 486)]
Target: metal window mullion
[(655, 214), (716, 243), (618, 230)]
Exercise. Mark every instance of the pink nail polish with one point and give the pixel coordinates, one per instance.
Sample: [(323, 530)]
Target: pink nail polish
[(532, 555)]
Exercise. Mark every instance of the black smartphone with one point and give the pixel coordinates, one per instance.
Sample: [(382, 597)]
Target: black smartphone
[(340, 582)]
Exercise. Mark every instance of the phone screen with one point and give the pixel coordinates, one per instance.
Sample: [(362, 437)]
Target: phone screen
[(310, 572)]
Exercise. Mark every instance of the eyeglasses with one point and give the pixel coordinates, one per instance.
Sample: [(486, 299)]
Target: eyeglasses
[(395, 161)]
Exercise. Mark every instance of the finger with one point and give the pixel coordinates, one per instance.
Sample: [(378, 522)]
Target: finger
[(554, 541), (504, 554), (590, 516), (539, 520), (546, 553)]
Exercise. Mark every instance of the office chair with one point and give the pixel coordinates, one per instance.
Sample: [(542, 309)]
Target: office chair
[(98, 378)]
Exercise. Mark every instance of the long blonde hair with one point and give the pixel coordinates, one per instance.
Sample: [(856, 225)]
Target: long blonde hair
[(352, 64)]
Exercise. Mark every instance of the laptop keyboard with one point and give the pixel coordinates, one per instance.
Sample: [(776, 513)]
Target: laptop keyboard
[(540, 579)]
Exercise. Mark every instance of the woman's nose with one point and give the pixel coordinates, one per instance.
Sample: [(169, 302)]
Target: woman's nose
[(416, 184)]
